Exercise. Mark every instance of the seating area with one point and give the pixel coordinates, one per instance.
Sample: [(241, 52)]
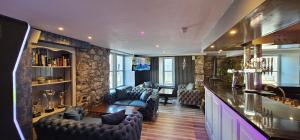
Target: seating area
[(60, 127), (150, 70), (145, 98)]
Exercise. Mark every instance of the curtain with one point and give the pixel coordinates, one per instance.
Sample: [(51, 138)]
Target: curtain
[(154, 72), (187, 74)]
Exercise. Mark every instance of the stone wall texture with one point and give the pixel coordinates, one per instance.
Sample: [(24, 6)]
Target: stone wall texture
[(24, 104), (199, 71), (92, 75)]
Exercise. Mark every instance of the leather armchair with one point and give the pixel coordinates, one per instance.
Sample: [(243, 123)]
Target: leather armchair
[(189, 97)]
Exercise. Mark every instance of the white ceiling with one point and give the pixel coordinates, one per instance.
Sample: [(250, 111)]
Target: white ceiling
[(117, 24)]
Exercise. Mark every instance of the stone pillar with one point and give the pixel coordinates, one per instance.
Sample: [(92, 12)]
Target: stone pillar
[(199, 72), (92, 75)]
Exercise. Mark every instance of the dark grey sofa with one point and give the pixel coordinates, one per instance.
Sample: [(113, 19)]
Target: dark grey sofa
[(128, 96), (57, 128)]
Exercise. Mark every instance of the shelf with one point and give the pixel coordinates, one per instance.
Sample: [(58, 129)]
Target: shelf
[(56, 110), (52, 83), (51, 66)]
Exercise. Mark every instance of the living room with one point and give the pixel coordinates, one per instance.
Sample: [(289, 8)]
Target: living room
[(150, 70)]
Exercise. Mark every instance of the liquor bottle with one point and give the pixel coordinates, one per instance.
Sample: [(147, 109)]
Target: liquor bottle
[(33, 58), (36, 58)]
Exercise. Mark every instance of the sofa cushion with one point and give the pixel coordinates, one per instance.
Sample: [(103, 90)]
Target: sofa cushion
[(190, 86), (138, 103), (90, 120), (145, 95), (114, 118), (73, 113), (147, 85), (122, 102)]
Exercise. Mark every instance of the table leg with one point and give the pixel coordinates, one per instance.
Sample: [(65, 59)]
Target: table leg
[(166, 100)]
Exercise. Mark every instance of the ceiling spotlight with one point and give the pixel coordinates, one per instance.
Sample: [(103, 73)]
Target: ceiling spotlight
[(90, 37), (60, 28), (232, 32), (142, 33), (157, 46), (212, 46)]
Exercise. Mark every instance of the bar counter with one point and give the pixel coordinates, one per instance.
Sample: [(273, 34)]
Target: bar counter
[(268, 118)]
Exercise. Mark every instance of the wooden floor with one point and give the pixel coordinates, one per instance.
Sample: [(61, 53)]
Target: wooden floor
[(176, 122)]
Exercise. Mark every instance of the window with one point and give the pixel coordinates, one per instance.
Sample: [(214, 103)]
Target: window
[(272, 77), (166, 74), (116, 73), (120, 70)]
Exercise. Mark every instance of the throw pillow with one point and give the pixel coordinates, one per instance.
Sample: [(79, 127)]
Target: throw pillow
[(190, 86), (145, 95), (147, 84), (72, 113), (114, 118)]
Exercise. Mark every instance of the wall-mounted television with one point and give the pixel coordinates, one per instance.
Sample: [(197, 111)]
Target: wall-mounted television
[(140, 63)]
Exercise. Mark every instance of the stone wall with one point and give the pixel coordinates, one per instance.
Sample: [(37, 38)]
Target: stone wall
[(92, 75), (199, 71), (24, 104)]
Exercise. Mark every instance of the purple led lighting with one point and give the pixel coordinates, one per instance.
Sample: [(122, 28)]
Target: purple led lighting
[(244, 123), (142, 33), (15, 85)]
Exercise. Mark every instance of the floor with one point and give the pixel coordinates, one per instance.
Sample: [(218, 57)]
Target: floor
[(176, 122)]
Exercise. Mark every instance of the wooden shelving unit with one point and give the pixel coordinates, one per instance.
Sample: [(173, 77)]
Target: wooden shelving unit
[(57, 65), (56, 110)]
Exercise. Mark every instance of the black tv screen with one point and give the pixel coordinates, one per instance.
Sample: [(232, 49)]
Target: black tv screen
[(140, 64)]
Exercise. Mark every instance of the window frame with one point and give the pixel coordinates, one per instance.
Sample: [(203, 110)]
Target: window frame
[(115, 70), (172, 71)]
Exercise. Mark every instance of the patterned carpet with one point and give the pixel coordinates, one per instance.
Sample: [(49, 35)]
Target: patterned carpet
[(176, 122)]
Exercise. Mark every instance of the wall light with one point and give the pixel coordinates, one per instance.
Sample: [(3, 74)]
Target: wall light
[(212, 46), (157, 46)]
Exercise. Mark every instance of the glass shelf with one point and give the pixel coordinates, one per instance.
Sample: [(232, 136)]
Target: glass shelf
[(51, 83), (51, 66)]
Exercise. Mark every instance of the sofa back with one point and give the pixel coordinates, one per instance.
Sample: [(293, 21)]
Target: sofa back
[(62, 129)]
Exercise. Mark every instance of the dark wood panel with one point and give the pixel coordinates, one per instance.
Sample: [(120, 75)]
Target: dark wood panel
[(271, 16)]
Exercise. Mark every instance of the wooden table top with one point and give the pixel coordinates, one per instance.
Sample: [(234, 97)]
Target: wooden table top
[(165, 91)]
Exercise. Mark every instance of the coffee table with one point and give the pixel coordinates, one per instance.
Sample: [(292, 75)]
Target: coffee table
[(108, 109), (165, 93)]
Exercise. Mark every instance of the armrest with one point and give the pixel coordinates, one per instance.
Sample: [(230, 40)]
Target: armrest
[(110, 98), (183, 93)]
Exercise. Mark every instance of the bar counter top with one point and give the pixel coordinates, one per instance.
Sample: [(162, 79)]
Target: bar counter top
[(273, 119)]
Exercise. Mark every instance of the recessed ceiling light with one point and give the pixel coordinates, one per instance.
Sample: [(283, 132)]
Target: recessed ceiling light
[(90, 37), (232, 32), (164, 52), (157, 46), (142, 33), (60, 28), (212, 46)]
